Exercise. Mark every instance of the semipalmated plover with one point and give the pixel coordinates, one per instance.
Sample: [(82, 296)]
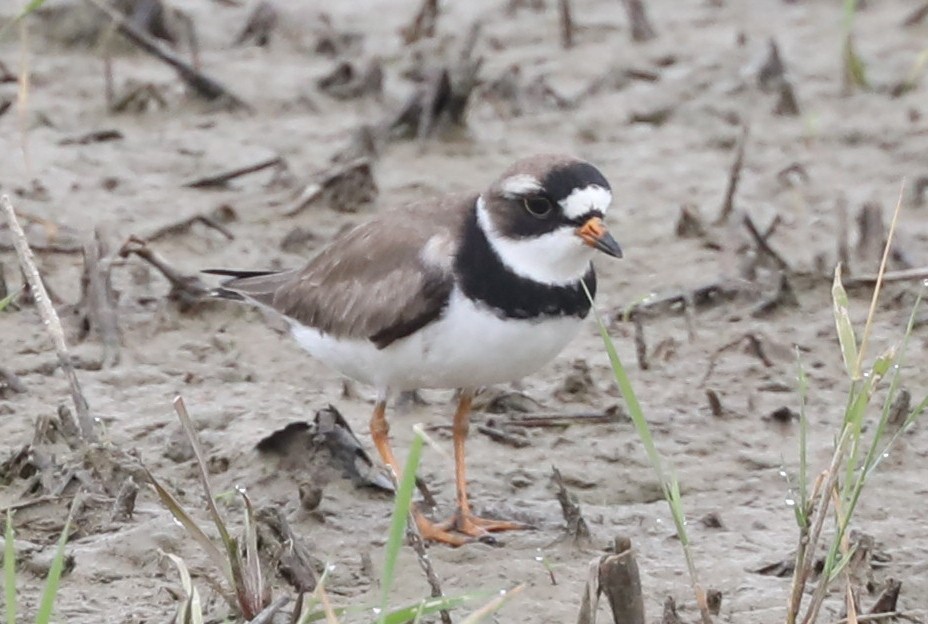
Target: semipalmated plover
[(456, 292)]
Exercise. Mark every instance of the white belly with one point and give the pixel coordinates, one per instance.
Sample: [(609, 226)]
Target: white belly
[(469, 346)]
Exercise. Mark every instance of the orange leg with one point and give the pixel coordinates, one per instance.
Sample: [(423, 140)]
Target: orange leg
[(464, 521), (380, 432)]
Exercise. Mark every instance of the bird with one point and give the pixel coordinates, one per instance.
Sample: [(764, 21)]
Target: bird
[(458, 292)]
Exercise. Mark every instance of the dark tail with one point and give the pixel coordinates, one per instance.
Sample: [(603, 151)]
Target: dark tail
[(235, 274), (239, 287)]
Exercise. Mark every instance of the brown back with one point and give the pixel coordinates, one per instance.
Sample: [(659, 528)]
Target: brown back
[(381, 281)]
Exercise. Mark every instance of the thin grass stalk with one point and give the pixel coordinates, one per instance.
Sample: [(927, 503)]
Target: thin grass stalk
[(191, 611), (309, 605), (493, 606), (419, 613), (233, 554), (330, 616), (670, 486), (194, 440), (846, 552), (257, 594), (871, 313), (802, 506), (192, 528), (801, 570), (801, 575), (9, 569), (427, 606), (914, 414), (52, 580), (401, 508), (6, 301)]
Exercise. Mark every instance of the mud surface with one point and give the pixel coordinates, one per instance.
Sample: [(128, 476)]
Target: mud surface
[(663, 124)]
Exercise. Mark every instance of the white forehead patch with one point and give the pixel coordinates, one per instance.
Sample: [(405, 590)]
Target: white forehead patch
[(519, 185), (555, 258), (583, 200)]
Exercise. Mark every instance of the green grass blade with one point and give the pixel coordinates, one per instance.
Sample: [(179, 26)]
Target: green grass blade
[(418, 618), (192, 609), (428, 606), (401, 509), (187, 423), (193, 529), (50, 593), (628, 394), (313, 601), (319, 616), (257, 594), (6, 301), (9, 569), (234, 564), (670, 486), (31, 6), (803, 506), (492, 606), (844, 326)]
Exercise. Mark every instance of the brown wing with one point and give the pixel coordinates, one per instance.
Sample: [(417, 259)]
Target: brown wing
[(382, 281)]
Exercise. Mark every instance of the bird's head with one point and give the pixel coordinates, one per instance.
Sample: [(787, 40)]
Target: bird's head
[(544, 218)]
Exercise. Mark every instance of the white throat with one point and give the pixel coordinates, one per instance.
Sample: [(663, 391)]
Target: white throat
[(556, 258)]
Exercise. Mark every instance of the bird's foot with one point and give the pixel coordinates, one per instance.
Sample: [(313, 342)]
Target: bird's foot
[(466, 523), (436, 532), (464, 528)]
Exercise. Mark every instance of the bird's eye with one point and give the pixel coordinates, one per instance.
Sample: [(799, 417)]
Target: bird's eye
[(538, 207)]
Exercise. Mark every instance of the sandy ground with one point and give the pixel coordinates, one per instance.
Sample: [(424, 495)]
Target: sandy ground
[(242, 381)]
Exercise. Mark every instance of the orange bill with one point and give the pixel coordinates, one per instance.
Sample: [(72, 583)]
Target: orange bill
[(595, 234)]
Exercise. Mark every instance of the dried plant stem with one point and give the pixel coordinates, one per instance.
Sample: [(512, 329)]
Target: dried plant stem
[(879, 281), (49, 319), (415, 540), (801, 575)]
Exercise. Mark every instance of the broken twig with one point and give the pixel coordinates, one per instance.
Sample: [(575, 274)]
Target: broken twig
[(49, 319), (577, 528), (423, 24), (567, 24), (642, 30), (760, 241), (187, 290), (347, 187), (216, 219), (220, 179), (203, 85), (734, 176), (98, 300)]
